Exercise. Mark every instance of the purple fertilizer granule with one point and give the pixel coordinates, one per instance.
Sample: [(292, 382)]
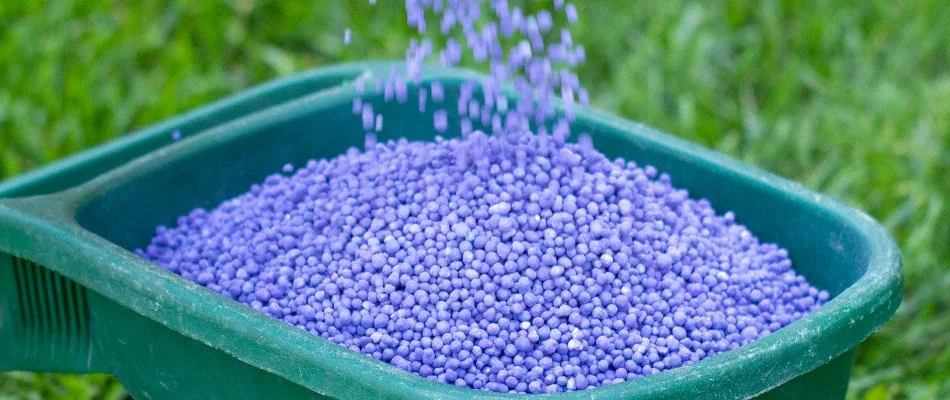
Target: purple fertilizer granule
[(509, 263), (516, 49)]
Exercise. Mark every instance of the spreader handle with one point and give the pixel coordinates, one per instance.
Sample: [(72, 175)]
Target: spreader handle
[(45, 320), (45, 323)]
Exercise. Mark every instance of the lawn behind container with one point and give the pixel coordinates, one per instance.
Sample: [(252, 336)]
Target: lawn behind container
[(74, 298)]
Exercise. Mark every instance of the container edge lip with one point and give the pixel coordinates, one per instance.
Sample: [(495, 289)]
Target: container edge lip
[(878, 291), (342, 92), (345, 71)]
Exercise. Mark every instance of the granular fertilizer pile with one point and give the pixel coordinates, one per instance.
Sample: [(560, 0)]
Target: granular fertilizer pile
[(510, 263), (515, 262)]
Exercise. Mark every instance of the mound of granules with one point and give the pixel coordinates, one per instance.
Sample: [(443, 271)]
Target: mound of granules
[(510, 263)]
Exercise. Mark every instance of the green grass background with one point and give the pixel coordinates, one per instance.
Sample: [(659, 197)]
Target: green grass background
[(850, 98)]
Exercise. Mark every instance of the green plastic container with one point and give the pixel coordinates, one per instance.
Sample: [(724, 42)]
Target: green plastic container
[(74, 298)]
